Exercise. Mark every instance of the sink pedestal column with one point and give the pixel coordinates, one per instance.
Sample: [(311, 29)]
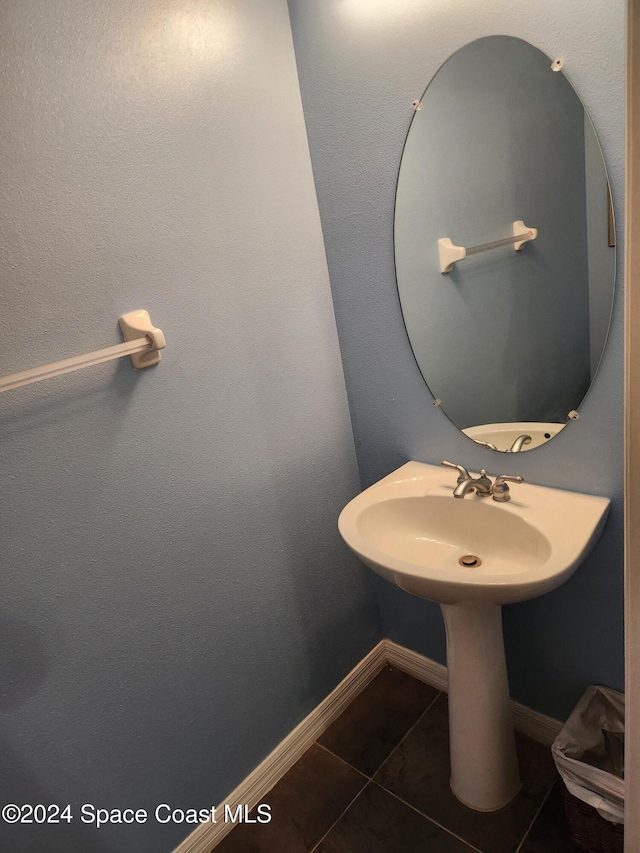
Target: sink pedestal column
[(484, 766)]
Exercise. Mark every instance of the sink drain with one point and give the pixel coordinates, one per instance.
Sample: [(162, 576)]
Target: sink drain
[(470, 561)]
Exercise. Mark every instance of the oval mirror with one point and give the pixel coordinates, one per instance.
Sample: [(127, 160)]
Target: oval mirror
[(504, 244)]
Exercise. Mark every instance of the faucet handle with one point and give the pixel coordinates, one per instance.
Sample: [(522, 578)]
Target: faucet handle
[(463, 474), (485, 443), (501, 489)]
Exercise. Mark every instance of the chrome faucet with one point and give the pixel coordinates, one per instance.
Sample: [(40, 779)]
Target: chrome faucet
[(516, 447), (482, 485)]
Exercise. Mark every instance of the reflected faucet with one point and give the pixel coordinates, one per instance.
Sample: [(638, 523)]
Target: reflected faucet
[(516, 447)]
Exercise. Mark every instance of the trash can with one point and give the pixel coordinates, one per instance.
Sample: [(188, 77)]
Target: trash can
[(589, 755)]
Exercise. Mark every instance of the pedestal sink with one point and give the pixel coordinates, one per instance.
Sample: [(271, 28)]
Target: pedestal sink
[(473, 555)]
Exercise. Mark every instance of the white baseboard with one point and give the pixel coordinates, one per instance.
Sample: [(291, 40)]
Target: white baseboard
[(535, 725), (422, 668)]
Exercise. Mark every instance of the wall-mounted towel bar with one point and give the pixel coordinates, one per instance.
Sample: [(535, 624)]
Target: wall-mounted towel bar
[(451, 254), (142, 342)]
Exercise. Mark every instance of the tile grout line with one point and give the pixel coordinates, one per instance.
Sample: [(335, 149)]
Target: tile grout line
[(426, 817), (400, 800), (367, 781), (344, 761), (341, 815), (409, 730), (535, 817)]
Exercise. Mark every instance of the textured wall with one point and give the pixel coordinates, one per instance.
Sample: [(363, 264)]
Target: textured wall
[(361, 63), (175, 595)]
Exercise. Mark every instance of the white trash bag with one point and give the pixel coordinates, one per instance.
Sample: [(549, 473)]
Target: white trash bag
[(589, 752)]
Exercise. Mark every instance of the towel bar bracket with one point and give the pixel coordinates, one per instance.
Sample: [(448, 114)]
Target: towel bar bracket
[(137, 324)]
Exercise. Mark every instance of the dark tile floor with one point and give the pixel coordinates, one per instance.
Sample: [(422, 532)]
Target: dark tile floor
[(377, 781)]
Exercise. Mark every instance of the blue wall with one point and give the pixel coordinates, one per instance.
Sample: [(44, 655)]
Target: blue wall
[(361, 64), (175, 594)]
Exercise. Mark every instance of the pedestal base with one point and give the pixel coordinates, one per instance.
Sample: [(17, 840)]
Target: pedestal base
[(484, 766)]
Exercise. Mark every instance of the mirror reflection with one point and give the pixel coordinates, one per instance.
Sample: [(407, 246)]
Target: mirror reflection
[(504, 244)]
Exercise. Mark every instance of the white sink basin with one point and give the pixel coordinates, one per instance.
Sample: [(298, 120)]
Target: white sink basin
[(411, 530)]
